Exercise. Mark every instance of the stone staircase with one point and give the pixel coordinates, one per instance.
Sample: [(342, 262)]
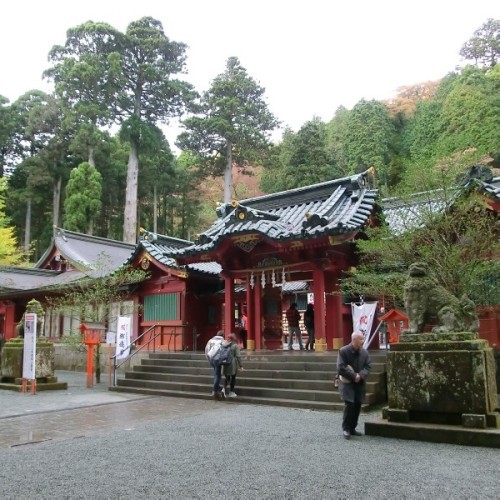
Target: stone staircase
[(299, 379)]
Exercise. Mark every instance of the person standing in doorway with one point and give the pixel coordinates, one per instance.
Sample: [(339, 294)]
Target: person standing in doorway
[(243, 330), (353, 368), (230, 371), (293, 319), (309, 324)]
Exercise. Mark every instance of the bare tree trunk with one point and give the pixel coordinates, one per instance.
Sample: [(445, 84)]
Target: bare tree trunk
[(27, 231), (130, 213), (155, 210), (91, 156), (228, 174), (56, 202)]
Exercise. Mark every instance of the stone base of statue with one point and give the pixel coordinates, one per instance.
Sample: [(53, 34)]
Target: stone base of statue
[(443, 386), (11, 370)]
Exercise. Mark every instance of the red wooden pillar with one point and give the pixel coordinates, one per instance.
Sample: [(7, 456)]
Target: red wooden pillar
[(257, 317), (319, 307), (250, 316), (9, 311), (335, 337), (229, 306)]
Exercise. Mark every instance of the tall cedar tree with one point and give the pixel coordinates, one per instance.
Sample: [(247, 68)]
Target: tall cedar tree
[(150, 94), (86, 76), (232, 124)]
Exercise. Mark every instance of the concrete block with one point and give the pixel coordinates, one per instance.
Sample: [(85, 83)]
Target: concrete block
[(397, 415), (473, 421)]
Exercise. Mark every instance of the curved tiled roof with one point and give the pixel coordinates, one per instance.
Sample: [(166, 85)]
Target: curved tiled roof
[(92, 254), (414, 211), (14, 279), (161, 247), (329, 208)]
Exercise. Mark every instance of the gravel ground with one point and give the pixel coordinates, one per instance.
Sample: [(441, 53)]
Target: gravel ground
[(246, 452)]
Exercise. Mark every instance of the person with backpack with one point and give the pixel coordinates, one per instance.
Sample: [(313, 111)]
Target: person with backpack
[(230, 370), (212, 352)]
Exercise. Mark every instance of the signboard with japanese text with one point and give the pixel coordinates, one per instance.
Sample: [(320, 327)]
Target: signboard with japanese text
[(110, 337), (123, 338), (29, 352)]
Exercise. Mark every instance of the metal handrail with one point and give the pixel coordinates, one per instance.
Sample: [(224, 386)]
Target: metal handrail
[(115, 366)]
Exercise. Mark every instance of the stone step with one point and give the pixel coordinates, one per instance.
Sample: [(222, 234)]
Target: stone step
[(287, 364), (243, 381), (327, 356), (330, 395), (291, 403), (275, 379), (205, 370), (262, 391)]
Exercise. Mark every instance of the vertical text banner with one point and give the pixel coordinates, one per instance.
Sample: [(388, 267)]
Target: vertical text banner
[(362, 319), (123, 337), (29, 352)]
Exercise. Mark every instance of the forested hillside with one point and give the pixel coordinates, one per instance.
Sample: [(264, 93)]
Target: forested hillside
[(92, 157)]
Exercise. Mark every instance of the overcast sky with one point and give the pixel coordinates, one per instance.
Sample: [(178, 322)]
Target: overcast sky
[(311, 56)]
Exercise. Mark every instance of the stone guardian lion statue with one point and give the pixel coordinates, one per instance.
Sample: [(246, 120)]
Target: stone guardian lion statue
[(425, 299)]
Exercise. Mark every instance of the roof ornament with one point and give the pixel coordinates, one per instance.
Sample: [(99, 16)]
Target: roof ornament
[(222, 209), (147, 235)]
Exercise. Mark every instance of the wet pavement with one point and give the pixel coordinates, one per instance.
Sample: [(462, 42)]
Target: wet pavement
[(79, 411)]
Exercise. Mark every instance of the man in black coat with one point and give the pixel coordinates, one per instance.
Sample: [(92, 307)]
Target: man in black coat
[(353, 367)]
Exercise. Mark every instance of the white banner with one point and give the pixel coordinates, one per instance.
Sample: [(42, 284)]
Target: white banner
[(362, 319), (123, 337), (29, 352)]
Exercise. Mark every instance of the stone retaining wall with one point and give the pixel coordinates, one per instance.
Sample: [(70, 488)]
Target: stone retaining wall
[(74, 358)]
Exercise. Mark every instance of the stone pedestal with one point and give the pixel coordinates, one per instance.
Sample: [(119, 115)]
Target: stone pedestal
[(12, 365), (442, 378)]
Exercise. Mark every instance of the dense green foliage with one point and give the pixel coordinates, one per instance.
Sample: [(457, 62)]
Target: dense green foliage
[(9, 254), (83, 198), (457, 125)]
